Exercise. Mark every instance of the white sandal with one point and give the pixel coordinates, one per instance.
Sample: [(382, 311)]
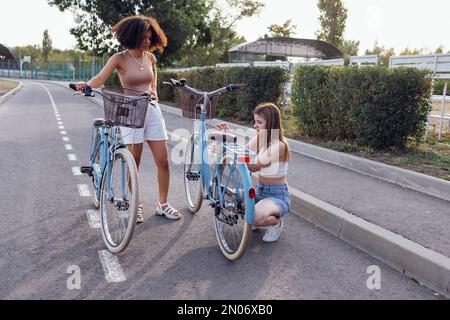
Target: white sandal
[(140, 215), (165, 209)]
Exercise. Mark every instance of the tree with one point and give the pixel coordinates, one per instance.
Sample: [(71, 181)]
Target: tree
[(333, 17), (284, 30), (188, 24), (349, 48), (224, 16), (182, 21), (46, 46), (383, 54)]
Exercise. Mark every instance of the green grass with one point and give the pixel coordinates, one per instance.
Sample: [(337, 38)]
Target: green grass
[(6, 86), (431, 157)]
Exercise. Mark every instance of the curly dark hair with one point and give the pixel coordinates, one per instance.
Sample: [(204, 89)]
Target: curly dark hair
[(130, 32)]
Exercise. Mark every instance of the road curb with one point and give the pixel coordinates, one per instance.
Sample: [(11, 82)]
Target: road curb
[(11, 93), (411, 180), (415, 181), (426, 266)]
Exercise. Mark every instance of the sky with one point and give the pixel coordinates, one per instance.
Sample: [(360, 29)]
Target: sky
[(393, 23)]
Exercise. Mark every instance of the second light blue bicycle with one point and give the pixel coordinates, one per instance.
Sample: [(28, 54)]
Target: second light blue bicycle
[(220, 177)]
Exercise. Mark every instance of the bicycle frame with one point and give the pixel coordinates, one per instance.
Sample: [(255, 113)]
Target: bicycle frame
[(207, 180), (106, 156)]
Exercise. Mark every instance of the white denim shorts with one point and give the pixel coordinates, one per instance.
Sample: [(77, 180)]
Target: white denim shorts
[(154, 127)]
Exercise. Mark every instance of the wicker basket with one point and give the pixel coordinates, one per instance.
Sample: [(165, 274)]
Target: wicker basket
[(125, 107), (191, 105)]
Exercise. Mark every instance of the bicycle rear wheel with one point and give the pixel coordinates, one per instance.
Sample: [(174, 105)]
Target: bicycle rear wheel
[(232, 231), (119, 202), (192, 176)]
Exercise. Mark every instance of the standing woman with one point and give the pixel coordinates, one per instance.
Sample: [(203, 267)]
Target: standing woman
[(136, 65)]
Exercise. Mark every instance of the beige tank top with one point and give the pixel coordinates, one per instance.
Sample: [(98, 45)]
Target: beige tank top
[(138, 73)]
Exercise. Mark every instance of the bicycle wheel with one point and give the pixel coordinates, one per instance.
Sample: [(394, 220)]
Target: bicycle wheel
[(119, 202), (192, 176), (232, 231), (96, 165)]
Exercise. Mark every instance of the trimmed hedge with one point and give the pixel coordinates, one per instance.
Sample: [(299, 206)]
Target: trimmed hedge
[(265, 84), (373, 106)]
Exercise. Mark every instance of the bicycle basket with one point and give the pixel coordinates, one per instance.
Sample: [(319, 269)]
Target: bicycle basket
[(126, 107), (191, 105)]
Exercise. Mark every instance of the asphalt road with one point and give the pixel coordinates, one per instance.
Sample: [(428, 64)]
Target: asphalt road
[(44, 229)]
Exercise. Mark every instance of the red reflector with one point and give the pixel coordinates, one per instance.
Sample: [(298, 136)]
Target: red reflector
[(245, 159), (252, 193)]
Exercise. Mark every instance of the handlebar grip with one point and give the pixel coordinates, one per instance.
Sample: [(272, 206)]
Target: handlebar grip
[(240, 86), (176, 83), (87, 90)]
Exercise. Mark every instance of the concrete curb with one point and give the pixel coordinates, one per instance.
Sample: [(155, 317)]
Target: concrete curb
[(430, 268), (422, 183), (431, 186), (411, 259), (11, 93)]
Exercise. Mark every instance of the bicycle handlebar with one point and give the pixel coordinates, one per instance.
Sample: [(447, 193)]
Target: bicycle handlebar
[(87, 90), (182, 83)]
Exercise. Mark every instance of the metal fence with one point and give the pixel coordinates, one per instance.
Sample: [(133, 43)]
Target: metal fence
[(64, 71)]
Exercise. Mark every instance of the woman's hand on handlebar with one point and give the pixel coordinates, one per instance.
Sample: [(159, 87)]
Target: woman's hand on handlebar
[(79, 86)]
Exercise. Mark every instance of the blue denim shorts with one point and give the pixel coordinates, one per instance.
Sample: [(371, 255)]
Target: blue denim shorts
[(277, 193)]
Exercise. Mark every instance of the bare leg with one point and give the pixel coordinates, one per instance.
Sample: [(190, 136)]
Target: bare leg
[(267, 214), (161, 156), (136, 151)]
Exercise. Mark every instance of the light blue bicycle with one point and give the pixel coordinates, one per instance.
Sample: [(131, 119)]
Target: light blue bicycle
[(223, 181), (112, 167)]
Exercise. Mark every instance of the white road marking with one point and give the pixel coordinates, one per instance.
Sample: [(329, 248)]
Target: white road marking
[(58, 119), (76, 171), (60, 123), (62, 128), (83, 189), (66, 139), (63, 132), (93, 217), (49, 94), (68, 147), (72, 157), (111, 266)]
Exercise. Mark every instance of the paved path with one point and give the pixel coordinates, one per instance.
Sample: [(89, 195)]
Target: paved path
[(416, 216), (45, 230)]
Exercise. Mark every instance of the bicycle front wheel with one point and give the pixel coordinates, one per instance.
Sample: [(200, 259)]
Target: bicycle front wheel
[(192, 176), (232, 231), (119, 201), (96, 165)]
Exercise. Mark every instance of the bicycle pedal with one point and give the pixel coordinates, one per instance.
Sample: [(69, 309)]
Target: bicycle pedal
[(87, 169)]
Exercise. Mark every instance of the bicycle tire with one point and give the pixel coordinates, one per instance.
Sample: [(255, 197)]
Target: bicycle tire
[(192, 187), (97, 161), (232, 251), (120, 244)]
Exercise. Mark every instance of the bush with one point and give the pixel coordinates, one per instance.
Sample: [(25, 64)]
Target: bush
[(265, 84), (439, 88), (373, 106)]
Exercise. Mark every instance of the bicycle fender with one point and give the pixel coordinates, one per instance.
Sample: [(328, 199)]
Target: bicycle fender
[(249, 203)]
